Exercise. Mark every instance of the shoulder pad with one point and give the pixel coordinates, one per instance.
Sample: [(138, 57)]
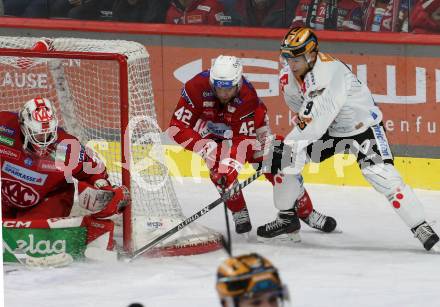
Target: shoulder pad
[(317, 80)]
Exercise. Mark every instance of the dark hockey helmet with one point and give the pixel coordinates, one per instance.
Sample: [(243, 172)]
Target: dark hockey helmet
[(299, 41), (247, 276)]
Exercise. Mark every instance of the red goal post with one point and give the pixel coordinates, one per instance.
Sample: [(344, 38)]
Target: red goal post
[(103, 95)]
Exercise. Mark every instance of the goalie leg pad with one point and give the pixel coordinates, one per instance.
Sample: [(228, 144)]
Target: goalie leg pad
[(97, 228), (387, 181)]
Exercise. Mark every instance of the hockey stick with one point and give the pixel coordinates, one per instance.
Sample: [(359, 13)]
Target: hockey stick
[(228, 194), (227, 244)]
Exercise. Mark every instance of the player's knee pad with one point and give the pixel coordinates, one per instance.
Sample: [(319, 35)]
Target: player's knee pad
[(383, 177), (286, 190)]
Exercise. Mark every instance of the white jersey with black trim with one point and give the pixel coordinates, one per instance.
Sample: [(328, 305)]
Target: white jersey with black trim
[(330, 98)]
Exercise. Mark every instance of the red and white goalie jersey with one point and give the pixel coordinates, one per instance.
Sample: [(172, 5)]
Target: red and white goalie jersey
[(29, 179)]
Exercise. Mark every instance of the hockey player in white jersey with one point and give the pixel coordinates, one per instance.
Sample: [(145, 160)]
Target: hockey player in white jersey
[(336, 112)]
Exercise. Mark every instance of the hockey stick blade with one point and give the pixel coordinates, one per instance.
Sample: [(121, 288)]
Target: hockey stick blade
[(228, 194)]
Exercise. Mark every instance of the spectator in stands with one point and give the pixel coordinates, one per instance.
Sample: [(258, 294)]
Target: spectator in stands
[(82, 9), (210, 12), (425, 16), (26, 8), (262, 13), (379, 16), (152, 11), (342, 15), (2, 11)]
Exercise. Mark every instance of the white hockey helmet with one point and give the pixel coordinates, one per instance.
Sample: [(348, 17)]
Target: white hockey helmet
[(226, 72), (38, 124)]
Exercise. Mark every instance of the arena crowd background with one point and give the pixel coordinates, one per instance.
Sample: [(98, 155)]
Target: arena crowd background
[(417, 16)]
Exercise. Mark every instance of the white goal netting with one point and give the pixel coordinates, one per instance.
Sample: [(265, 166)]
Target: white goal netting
[(103, 95)]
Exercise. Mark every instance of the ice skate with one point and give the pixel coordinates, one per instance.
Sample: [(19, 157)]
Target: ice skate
[(320, 221), (427, 236), (284, 228), (242, 222)]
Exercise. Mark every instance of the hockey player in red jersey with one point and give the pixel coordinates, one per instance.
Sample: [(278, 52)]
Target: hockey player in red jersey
[(220, 117), (38, 161), (336, 113)]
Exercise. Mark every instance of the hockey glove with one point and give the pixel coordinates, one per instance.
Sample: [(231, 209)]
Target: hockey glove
[(103, 202), (208, 153), (280, 157), (225, 175)]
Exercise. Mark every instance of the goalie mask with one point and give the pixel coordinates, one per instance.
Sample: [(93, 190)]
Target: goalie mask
[(225, 77), (38, 124), (250, 280)]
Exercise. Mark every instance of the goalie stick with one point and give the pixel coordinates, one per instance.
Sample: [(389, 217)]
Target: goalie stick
[(225, 196)]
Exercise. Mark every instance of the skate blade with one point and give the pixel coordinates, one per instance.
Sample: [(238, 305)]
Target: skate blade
[(287, 237)]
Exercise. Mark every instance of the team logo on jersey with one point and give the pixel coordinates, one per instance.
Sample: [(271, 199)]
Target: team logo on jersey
[(9, 152), (19, 194), (24, 174), (7, 130), (302, 122), (28, 161)]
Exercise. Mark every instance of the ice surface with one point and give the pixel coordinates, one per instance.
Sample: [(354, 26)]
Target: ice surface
[(375, 261)]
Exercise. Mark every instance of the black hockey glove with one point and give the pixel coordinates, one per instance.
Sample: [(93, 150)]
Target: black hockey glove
[(279, 158)]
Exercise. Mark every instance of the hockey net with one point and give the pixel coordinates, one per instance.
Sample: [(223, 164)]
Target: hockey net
[(103, 94)]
